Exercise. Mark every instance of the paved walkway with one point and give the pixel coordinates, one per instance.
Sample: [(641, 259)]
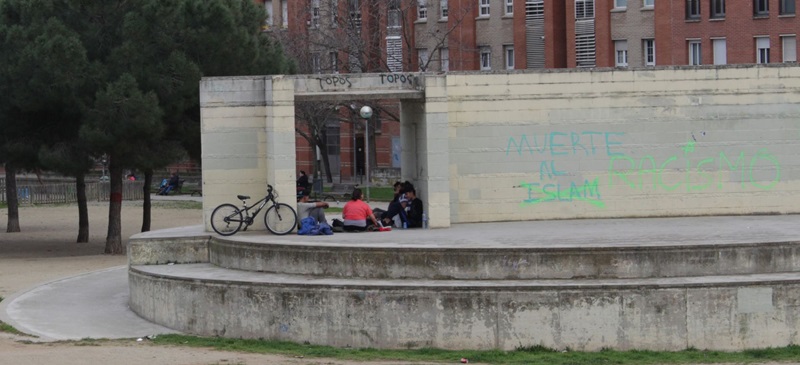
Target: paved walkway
[(95, 304)]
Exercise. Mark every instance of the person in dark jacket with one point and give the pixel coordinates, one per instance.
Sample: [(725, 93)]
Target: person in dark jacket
[(414, 209)]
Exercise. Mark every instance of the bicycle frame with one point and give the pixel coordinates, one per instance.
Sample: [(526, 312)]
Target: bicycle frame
[(250, 218)]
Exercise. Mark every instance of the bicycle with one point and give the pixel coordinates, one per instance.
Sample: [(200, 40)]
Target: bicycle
[(280, 218)]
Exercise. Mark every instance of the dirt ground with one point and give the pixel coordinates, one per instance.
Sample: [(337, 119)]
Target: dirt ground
[(45, 250)]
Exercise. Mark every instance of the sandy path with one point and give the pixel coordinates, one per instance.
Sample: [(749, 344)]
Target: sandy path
[(45, 250)]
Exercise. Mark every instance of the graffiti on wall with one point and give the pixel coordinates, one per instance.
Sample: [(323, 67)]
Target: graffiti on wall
[(686, 169)]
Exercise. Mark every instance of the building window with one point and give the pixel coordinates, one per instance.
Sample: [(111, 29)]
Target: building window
[(355, 14), (621, 52), (649, 3), (761, 7), (789, 44), (422, 10), (486, 58), (649, 52), (423, 59), (268, 8), (334, 9), (443, 10), (284, 14), (585, 50), (620, 3), (444, 57), (584, 9), (394, 53), (315, 13), (787, 7), (762, 49), (393, 20), (484, 8), (692, 9), (508, 53), (720, 49), (695, 54), (333, 59), (717, 8), (315, 65), (509, 7)]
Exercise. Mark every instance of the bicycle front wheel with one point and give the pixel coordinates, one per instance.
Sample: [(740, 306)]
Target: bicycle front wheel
[(280, 219), (226, 219)]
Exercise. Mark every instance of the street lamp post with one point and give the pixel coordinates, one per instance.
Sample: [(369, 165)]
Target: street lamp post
[(366, 113)]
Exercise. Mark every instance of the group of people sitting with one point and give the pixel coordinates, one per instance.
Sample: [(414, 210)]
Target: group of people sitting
[(170, 185), (405, 210)]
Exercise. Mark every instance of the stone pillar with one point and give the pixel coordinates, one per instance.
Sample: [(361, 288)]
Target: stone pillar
[(426, 155), (247, 134), (280, 139)]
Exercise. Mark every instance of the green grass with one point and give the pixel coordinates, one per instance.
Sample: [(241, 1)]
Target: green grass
[(528, 355), (178, 204), (7, 328)]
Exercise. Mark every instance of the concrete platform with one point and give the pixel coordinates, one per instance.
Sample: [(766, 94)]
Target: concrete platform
[(731, 311), (721, 283)]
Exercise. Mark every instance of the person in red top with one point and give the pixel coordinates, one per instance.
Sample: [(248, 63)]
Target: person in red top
[(357, 215)]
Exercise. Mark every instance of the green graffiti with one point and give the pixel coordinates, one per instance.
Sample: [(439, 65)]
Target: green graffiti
[(680, 171), (589, 193), (624, 170), (689, 148)]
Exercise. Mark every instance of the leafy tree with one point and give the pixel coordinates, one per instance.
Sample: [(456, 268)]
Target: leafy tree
[(42, 69), (169, 46), (125, 74), (122, 118)]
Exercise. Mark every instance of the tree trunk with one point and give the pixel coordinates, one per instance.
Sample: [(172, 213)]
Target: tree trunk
[(83, 209), (11, 199), (322, 144), (114, 236), (146, 206)]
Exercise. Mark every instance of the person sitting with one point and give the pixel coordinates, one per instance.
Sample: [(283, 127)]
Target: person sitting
[(414, 208), (172, 184), (357, 215), (398, 187), (303, 184), (305, 208), (395, 215)]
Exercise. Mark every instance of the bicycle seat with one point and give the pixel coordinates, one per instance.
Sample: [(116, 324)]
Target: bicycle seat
[(243, 197)]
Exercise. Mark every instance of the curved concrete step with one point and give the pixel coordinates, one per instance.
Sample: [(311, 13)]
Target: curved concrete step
[(592, 249), (715, 312), (533, 262), (212, 274)]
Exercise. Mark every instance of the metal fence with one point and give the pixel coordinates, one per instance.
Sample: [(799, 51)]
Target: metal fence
[(59, 193)]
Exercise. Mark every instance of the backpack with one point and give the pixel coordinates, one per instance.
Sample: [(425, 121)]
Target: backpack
[(310, 227), (307, 225), (338, 226)]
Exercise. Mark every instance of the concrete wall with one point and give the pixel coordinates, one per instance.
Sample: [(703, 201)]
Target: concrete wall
[(624, 143), (654, 316), (509, 146)]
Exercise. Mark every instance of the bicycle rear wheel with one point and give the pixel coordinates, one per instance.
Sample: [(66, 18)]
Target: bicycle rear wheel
[(280, 219), (226, 219)]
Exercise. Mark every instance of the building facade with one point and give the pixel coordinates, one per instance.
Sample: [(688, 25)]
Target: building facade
[(343, 36)]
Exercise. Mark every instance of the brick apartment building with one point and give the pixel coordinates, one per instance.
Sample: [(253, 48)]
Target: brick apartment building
[(340, 36)]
